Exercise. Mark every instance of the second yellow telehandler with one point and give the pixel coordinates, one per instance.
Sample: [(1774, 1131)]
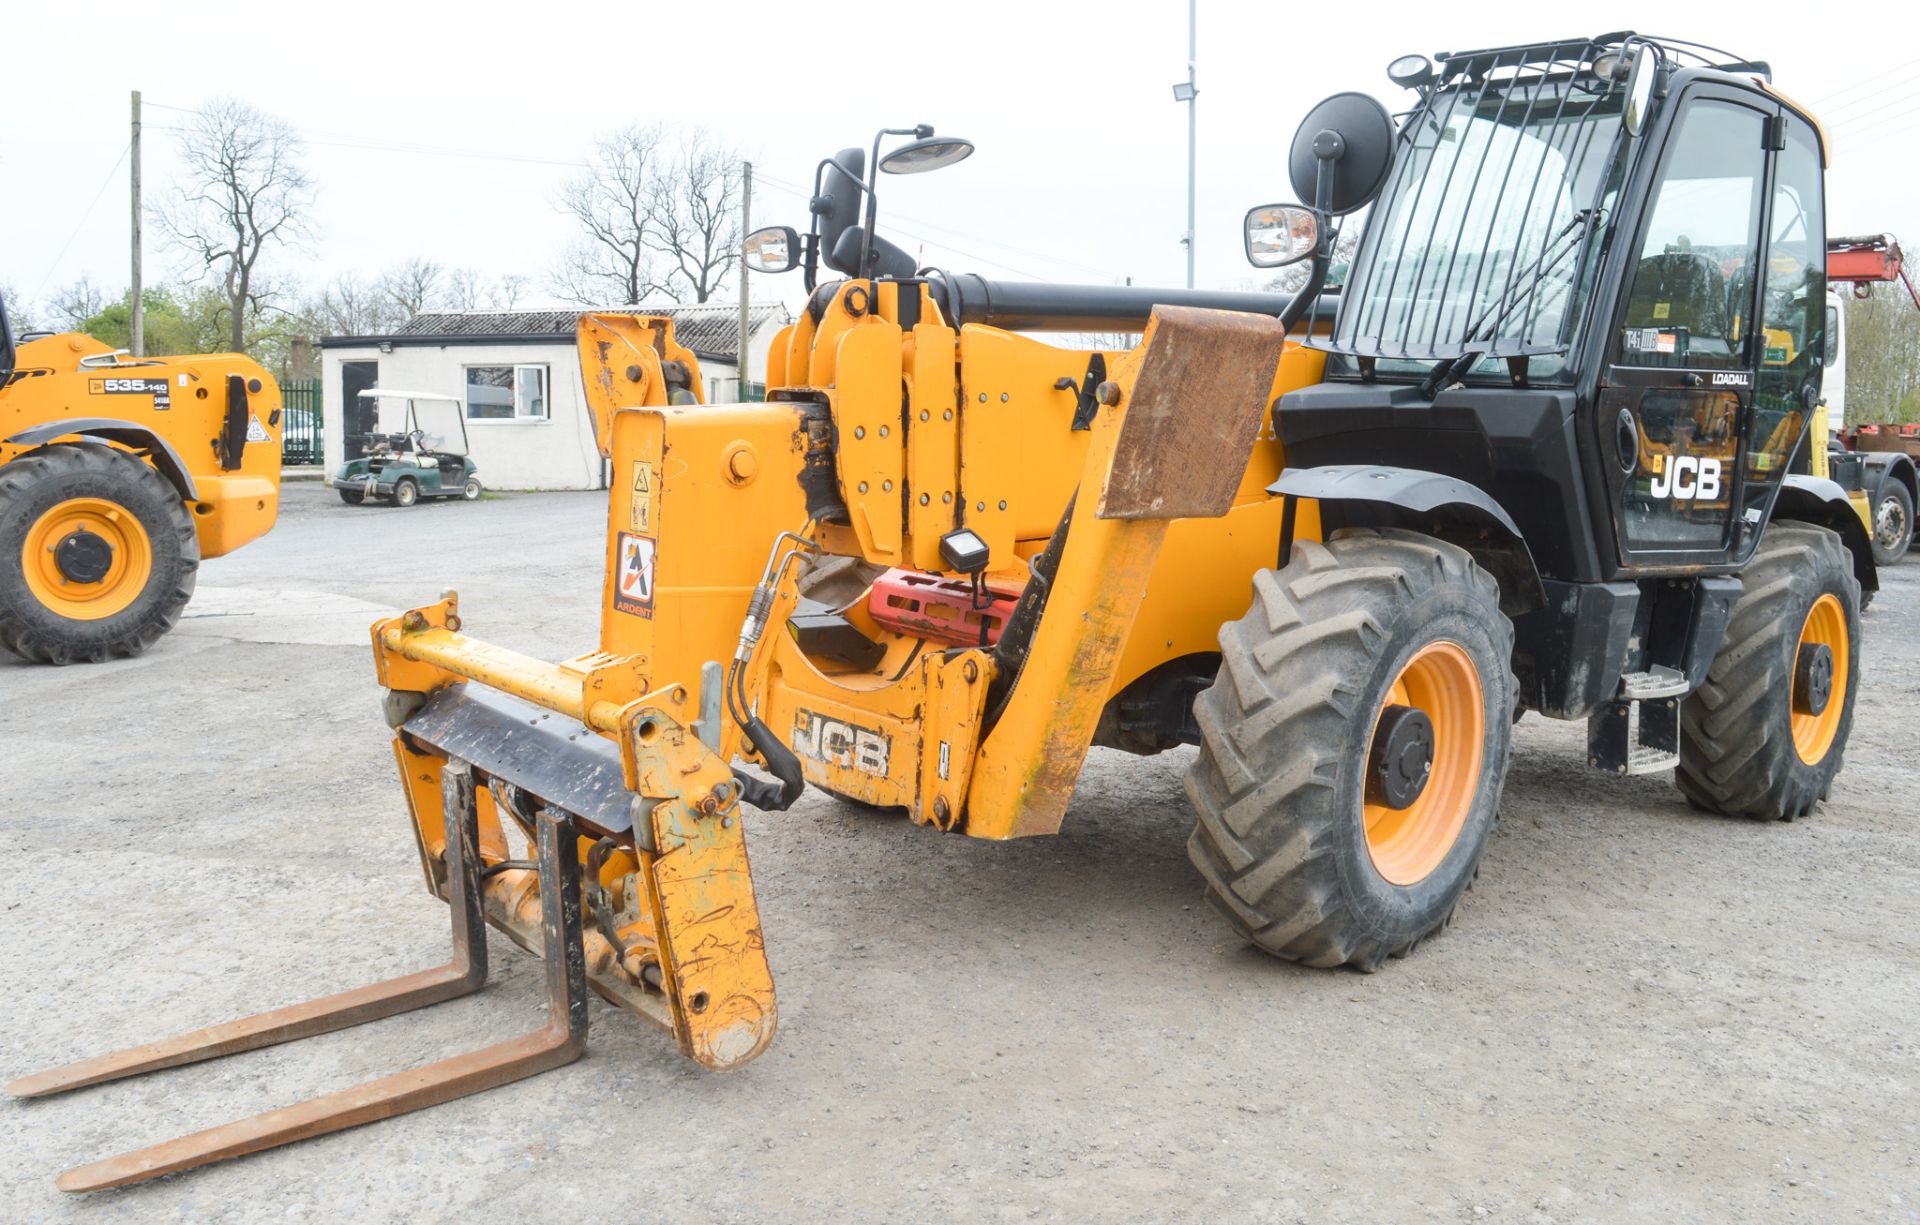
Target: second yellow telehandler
[(118, 475)]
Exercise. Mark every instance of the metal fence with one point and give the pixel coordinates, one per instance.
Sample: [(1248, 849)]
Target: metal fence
[(300, 439)]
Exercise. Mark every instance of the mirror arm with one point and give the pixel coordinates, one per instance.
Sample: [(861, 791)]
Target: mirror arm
[(1327, 149)]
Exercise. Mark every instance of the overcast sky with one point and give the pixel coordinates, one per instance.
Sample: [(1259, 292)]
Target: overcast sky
[(445, 131)]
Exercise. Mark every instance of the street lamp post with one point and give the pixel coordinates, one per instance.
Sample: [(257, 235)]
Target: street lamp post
[(1188, 92)]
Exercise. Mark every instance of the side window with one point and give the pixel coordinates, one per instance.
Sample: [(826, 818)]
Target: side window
[(1793, 313), (1697, 258), (1832, 354)]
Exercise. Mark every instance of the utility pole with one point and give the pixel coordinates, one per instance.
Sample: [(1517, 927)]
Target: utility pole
[(746, 227), (1188, 91), (139, 343)]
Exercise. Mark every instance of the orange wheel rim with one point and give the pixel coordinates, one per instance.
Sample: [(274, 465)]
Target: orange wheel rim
[(1826, 625), (1407, 844), (128, 568)]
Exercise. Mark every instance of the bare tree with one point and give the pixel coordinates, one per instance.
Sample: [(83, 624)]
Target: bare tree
[(412, 286), (612, 201), (19, 310), (693, 212), (77, 303), (245, 191), (349, 306), (470, 290)]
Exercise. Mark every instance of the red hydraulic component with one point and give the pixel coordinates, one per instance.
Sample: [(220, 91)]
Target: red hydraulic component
[(1871, 257), (928, 606)]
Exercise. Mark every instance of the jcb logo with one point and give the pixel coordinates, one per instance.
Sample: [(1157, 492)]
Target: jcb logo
[(840, 744), (1687, 478)]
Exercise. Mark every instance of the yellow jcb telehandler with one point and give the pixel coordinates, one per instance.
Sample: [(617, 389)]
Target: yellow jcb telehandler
[(117, 476), (1529, 457)]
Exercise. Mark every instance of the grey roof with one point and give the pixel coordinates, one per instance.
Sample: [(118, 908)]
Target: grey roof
[(711, 330)]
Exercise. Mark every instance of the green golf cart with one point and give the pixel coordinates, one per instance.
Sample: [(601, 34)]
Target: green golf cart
[(419, 452)]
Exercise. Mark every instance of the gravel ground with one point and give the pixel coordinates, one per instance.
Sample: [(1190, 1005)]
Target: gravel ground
[(1641, 1012)]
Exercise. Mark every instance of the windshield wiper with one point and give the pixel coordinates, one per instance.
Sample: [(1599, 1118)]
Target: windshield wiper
[(1450, 370)]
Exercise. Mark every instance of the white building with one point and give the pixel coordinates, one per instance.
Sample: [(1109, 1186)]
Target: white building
[(518, 373)]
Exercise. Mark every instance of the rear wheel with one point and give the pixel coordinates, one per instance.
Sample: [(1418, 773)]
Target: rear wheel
[(1764, 734), (97, 555), (1892, 523), (353, 497), (1353, 748), (405, 492)]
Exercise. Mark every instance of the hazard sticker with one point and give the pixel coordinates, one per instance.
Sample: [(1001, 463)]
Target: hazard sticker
[(633, 577), (644, 508), (257, 432)]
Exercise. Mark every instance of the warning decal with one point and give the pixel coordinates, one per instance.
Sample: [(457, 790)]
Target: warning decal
[(633, 577), (643, 512), (257, 432)]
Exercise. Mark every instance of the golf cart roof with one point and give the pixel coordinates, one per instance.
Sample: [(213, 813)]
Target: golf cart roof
[(390, 393)]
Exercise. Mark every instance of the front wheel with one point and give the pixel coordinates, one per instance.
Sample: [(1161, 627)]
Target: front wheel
[(471, 490), (1764, 734), (1892, 523), (1353, 748), (97, 555)]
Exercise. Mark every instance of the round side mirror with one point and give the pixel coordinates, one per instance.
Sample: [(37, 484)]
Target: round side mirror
[(1639, 89), (929, 153), (1354, 133), (773, 249), (1280, 234)]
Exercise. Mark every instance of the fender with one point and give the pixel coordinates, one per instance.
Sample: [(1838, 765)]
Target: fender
[(1370, 495), (127, 434), (1816, 500), (1884, 466)]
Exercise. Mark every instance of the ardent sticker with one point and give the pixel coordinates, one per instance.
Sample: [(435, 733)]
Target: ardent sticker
[(842, 744), (633, 577)]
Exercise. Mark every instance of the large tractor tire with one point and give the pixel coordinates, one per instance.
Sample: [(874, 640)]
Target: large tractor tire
[(1353, 748), (1764, 734), (97, 555)]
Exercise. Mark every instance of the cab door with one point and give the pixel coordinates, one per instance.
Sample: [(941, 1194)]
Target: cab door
[(1676, 398)]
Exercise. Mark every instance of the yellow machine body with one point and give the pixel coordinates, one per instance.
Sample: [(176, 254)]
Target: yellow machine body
[(182, 402), (1162, 496)]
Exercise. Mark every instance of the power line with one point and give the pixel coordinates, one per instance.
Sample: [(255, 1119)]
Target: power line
[(1834, 97), (82, 223)]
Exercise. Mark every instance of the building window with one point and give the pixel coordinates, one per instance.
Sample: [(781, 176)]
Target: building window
[(506, 393)]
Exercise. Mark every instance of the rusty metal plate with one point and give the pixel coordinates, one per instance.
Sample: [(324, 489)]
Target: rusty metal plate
[(1192, 413)]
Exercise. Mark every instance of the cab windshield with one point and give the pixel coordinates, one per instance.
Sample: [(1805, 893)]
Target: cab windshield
[(1499, 186)]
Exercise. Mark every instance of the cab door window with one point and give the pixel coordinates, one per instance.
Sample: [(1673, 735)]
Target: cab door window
[(1793, 315), (1697, 254)]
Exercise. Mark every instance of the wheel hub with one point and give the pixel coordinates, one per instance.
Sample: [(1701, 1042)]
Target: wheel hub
[(83, 557), (1890, 525), (1813, 678), (1402, 758)]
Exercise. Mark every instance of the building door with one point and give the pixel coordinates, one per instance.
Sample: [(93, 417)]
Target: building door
[(358, 416)]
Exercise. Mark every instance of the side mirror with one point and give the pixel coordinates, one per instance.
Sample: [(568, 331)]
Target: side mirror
[(1639, 89), (928, 153), (773, 249), (1281, 234), (1343, 151)]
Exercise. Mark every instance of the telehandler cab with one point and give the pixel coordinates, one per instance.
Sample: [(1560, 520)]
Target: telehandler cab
[(117, 476), (1529, 458)]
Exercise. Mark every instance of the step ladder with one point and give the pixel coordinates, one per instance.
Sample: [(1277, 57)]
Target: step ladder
[(1638, 731)]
